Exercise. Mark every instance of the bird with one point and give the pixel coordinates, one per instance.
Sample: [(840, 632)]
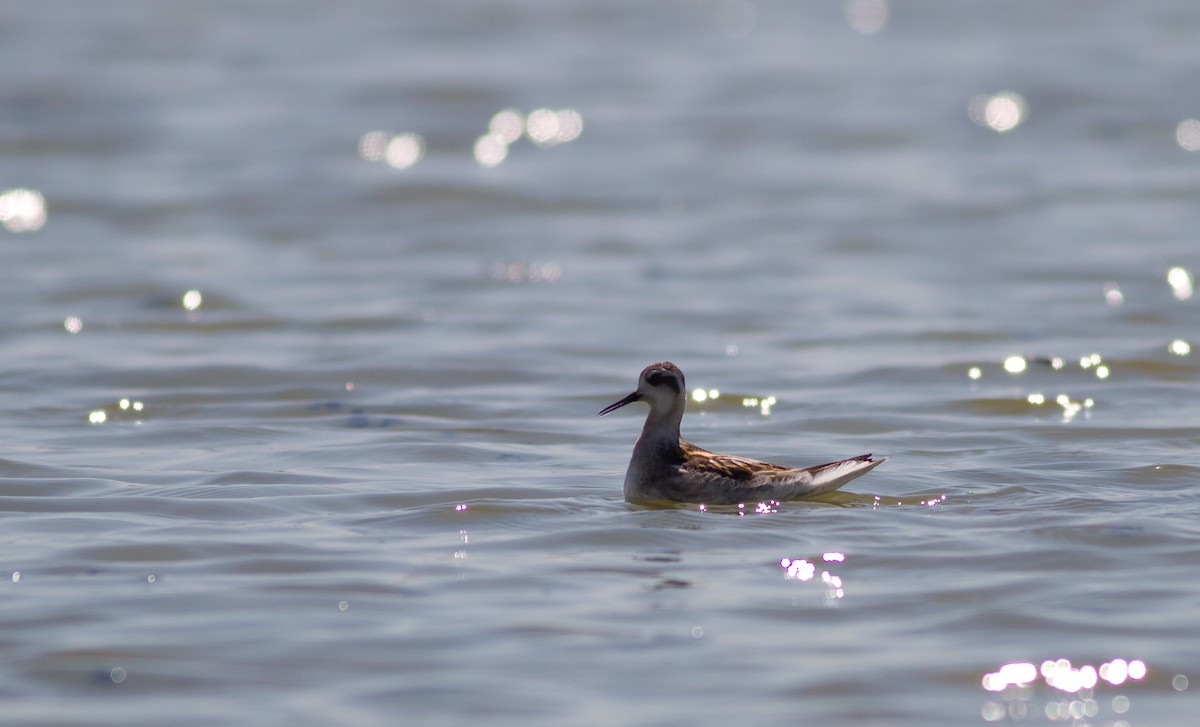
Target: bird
[(665, 466)]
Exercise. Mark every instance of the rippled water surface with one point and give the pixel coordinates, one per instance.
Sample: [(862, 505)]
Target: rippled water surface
[(303, 341)]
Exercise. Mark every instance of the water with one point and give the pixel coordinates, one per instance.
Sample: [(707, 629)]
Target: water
[(355, 478)]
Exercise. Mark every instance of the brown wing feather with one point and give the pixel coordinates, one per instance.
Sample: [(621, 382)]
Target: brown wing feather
[(736, 468)]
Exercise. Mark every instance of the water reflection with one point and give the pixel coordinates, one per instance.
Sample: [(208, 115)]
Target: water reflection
[(1092, 363), (1181, 281), (22, 210), (125, 410), (1113, 295), (399, 151), (1014, 684), (764, 405), (544, 127), (192, 300), (999, 112), (1187, 134), (804, 570), (490, 150)]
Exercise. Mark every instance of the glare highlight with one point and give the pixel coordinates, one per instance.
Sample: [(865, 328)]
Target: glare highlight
[(1000, 112), (22, 210), (802, 569), (544, 127), (1180, 347), (490, 150), (764, 405), (192, 300), (1113, 295), (404, 150), (1187, 134), (508, 124), (399, 151), (1181, 281), (1015, 364), (1078, 688)]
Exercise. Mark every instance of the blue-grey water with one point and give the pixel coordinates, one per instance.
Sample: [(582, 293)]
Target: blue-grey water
[(302, 339)]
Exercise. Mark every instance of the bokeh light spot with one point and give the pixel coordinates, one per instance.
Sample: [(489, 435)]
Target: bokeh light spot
[(1113, 295), (404, 150), (999, 112), (192, 299), (1015, 364), (1187, 134), (22, 210), (1181, 281), (373, 145), (490, 150), (508, 124)]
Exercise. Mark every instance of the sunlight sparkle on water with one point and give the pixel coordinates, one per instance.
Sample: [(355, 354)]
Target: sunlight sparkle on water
[(801, 569), (1078, 685), (192, 300), (1015, 364), (1113, 295), (400, 151), (700, 395), (22, 210), (404, 150), (544, 127), (490, 150), (1000, 112), (1180, 347), (764, 405), (72, 324), (1181, 281), (1187, 134), (508, 124)]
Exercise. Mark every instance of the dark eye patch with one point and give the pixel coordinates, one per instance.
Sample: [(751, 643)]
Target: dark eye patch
[(662, 378)]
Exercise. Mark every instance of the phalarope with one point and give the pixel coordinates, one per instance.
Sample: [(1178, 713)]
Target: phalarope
[(667, 467)]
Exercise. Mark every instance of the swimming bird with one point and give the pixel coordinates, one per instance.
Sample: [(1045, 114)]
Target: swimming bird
[(667, 467)]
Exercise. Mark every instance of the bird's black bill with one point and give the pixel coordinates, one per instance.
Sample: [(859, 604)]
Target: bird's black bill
[(618, 404)]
